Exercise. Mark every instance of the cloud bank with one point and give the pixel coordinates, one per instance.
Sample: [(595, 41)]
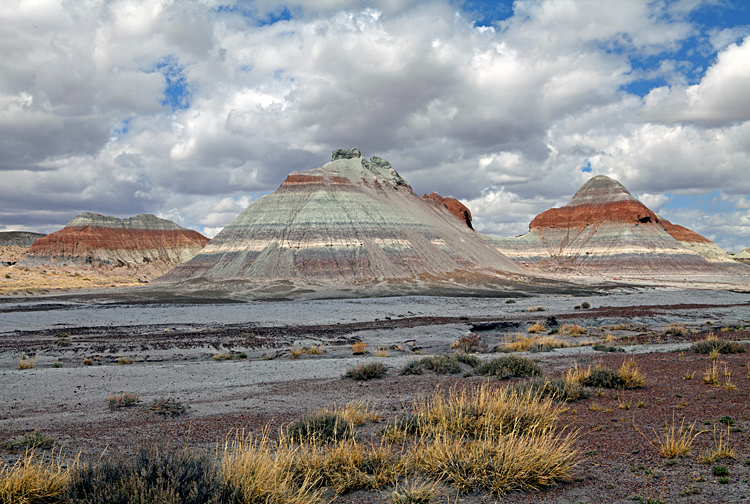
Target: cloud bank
[(193, 109)]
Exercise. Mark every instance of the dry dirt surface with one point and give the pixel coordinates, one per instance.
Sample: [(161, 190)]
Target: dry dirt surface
[(255, 366)]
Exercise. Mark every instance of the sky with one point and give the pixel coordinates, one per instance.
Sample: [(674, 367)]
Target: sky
[(193, 109)]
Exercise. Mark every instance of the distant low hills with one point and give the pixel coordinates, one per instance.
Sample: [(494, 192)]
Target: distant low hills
[(145, 244)]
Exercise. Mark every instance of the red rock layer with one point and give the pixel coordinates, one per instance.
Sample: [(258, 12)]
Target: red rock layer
[(578, 216), (458, 209), (682, 234)]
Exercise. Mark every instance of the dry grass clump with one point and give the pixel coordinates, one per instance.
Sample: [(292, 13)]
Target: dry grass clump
[(359, 348), (512, 463), (536, 328), (714, 344), (485, 412), (572, 330), (311, 350), (469, 343), (365, 371), (675, 329), (31, 480), (533, 344), (414, 491), (676, 441), (222, 356), (537, 308), (124, 400), (628, 376), (321, 428), (720, 449), (26, 363), (358, 412), (124, 360)]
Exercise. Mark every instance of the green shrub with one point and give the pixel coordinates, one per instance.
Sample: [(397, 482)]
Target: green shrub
[(167, 407), (365, 371), (509, 367), (321, 427), (443, 364), (604, 378), (411, 368), (714, 344), (557, 389), (166, 476)]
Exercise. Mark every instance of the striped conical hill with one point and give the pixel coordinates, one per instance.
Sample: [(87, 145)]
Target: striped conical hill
[(352, 224), (605, 228)]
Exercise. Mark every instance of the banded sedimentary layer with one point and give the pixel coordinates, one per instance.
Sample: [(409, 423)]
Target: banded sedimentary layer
[(18, 238), (604, 227), (350, 224), (142, 242)]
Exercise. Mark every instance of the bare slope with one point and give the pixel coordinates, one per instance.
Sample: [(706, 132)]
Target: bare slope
[(350, 224), (604, 227)]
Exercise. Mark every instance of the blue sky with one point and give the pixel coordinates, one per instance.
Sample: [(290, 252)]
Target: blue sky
[(191, 110)]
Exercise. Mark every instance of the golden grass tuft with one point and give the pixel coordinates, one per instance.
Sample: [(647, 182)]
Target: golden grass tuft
[(31, 480), (26, 363), (631, 374), (358, 412), (124, 400), (711, 375), (526, 343), (222, 356), (676, 441), (572, 330), (509, 463), (381, 352), (487, 411), (359, 348), (536, 328), (414, 491), (720, 449)]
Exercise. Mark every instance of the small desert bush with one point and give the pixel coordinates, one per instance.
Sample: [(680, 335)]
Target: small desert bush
[(62, 340), (359, 348), (469, 343), (381, 352), (31, 480), (412, 368), (628, 376), (509, 367), (365, 371), (536, 328), (124, 360), (537, 308), (222, 356), (631, 374), (557, 389), (162, 475), (31, 441), (572, 330), (124, 400), (713, 344), (676, 441), (167, 407), (26, 363), (323, 427)]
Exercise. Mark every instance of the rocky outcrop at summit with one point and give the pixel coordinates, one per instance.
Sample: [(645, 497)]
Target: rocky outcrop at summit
[(144, 242), (351, 227), (605, 228), (455, 207)]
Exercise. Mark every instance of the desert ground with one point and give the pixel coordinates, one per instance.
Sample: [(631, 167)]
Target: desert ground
[(257, 366)]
